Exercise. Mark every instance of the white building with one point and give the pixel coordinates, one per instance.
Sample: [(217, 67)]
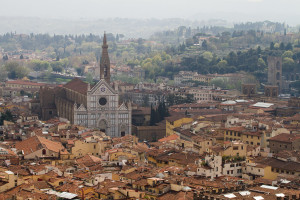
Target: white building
[(233, 169), (211, 167)]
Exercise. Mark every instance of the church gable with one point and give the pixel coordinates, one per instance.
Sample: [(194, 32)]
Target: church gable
[(81, 108), (123, 107), (102, 88)]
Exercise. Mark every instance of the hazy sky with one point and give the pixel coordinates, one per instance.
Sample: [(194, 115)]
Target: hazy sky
[(234, 10)]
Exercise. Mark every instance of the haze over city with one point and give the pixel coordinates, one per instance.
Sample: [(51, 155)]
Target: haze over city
[(233, 10), (149, 99)]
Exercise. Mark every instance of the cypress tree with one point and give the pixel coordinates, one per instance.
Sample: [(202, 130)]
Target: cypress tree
[(152, 116)]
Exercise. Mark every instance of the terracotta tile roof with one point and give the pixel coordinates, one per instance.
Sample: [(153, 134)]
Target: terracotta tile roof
[(252, 133), (21, 82), (71, 186), (89, 160), (284, 137), (70, 142), (26, 191), (35, 143), (288, 154), (276, 163), (77, 85), (169, 138), (140, 147), (239, 128), (177, 196), (18, 169), (107, 184)]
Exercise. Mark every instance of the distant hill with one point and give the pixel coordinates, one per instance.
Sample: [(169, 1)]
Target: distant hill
[(129, 27)]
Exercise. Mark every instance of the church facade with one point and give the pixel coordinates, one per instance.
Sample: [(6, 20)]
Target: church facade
[(92, 106)]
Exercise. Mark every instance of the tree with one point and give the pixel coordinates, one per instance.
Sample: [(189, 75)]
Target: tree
[(289, 46), (208, 55), (89, 78), (258, 50), (281, 46), (288, 64), (222, 64), (190, 98), (57, 66), (79, 71), (204, 45), (261, 63), (15, 70), (39, 65), (165, 110), (152, 116), (3, 74), (171, 99), (5, 57), (287, 54), (158, 114), (6, 116), (272, 46)]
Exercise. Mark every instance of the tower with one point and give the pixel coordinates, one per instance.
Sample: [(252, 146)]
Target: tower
[(249, 89), (275, 72), (104, 62)]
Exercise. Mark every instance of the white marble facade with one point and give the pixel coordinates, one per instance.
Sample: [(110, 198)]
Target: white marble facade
[(104, 112)]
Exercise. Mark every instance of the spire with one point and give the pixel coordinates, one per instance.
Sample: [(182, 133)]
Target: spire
[(104, 41), (104, 62)]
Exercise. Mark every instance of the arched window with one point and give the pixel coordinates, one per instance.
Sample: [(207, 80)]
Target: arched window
[(278, 76), (44, 151)]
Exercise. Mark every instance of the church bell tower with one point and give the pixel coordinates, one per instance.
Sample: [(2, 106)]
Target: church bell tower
[(104, 62)]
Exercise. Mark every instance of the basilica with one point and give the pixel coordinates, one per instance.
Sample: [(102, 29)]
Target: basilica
[(92, 106)]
